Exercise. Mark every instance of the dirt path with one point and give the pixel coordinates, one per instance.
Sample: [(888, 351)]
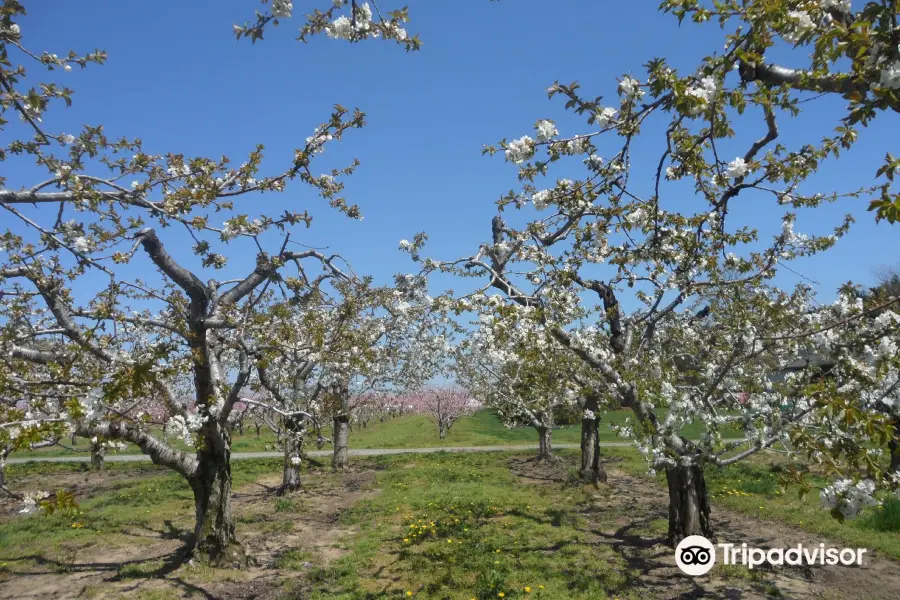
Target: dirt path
[(286, 537), (637, 533)]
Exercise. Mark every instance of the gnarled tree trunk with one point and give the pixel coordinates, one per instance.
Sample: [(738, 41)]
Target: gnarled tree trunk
[(688, 503), (97, 452), (543, 422), (894, 446), (545, 445), (214, 531), (293, 446), (591, 468), (341, 394), (341, 435), (442, 430)]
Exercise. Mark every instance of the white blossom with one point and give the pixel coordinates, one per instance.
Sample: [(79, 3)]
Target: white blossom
[(736, 168), (520, 150), (705, 91), (629, 88), (81, 244), (847, 497), (30, 501), (541, 199), (606, 115), (841, 5), (341, 28), (890, 76), (577, 145), (282, 9), (546, 130), (801, 23)]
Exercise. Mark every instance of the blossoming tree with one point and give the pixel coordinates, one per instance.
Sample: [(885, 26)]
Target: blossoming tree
[(704, 316), (101, 318), (443, 405), (520, 371)]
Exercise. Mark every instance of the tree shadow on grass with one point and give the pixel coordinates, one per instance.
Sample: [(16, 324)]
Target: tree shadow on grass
[(169, 532), (118, 571)]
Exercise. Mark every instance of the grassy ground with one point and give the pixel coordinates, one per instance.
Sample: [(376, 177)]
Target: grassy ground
[(415, 431), (437, 526)]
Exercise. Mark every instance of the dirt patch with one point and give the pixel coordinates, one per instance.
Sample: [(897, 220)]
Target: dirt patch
[(630, 514), (84, 484), (541, 472), (287, 537)]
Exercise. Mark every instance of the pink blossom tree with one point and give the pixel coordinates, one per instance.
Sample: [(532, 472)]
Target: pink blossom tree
[(444, 405)]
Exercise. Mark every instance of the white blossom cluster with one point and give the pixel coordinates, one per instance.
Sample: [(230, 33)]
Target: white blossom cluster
[(30, 501), (178, 426), (520, 150), (630, 88), (847, 497), (800, 23), (705, 91), (282, 9)]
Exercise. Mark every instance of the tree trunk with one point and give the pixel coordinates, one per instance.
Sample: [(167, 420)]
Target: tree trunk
[(894, 445), (545, 448), (341, 426), (293, 445), (688, 504), (240, 427), (591, 468), (442, 430), (214, 534), (97, 452), (257, 428)]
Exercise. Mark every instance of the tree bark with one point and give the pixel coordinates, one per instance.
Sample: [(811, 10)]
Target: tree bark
[(591, 468), (545, 445), (442, 430), (688, 504), (341, 427), (293, 446), (894, 446), (214, 532), (257, 428), (97, 452)]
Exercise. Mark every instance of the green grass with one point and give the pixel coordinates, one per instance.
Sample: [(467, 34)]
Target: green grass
[(433, 527), (415, 431), (461, 527)]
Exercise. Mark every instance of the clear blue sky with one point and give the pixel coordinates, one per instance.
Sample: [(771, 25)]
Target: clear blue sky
[(178, 79)]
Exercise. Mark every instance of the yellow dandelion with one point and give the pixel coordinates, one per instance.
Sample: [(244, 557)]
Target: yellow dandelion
[(527, 590), (500, 595), (409, 593), (405, 540)]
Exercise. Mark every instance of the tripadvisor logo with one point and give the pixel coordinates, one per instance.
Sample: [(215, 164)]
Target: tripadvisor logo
[(696, 555)]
